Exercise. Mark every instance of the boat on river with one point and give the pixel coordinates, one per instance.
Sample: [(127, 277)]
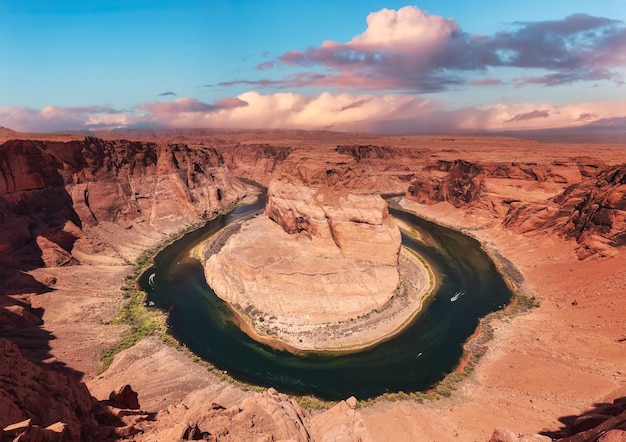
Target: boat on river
[(151, 280), (456, 296)]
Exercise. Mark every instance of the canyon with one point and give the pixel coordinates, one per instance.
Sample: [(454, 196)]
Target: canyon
[(77, 212), (325, 252)]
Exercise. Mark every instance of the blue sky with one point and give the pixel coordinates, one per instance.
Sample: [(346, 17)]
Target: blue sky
[(80, 64)]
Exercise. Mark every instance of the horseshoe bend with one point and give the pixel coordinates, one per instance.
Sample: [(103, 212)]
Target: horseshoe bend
[(79, 214), (324, 254)]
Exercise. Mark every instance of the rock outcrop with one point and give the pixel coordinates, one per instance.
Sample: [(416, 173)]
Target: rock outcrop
[(325, 251), (51, 191), (43, 397), (582, 201), (267, 416), (605, 422), (462, 184), (341, 423), (596, 211), (592, 212)]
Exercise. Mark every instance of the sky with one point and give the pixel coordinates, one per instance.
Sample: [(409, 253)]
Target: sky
[(350, 65)]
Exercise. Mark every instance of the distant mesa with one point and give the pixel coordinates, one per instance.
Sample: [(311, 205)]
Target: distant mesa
[(6, 131)]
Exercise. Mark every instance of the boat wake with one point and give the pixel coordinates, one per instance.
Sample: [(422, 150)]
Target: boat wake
[(456, 296)]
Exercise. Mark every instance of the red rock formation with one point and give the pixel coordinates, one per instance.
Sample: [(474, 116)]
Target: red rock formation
[(604, 423), (125, 397), (368, 152), (463, 184), (50, 191), (592, 212), (255, 161), (45, 396), (596, 210)]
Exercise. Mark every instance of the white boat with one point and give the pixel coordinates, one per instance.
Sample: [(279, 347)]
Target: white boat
[(151, 280), (456, 296)]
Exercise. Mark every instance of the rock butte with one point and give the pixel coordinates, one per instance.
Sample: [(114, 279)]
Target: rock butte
[(75, 212), (324, 253)]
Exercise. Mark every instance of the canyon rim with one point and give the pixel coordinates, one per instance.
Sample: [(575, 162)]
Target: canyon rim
[(78, 212)]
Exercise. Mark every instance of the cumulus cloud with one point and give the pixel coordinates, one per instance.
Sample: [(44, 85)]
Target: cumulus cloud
[(411, 50)]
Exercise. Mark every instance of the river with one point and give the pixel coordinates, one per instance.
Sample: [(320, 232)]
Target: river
[(414, 360)]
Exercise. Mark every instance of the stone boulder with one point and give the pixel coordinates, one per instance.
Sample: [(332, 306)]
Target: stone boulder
[(342, 423), (125, 397)]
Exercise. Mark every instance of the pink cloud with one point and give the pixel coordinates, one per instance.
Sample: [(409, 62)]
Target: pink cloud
[(410, 50), (389, 113), (486, 82), (586, 116), (408, 26), (56, 119), (266, 65), (190, 105)]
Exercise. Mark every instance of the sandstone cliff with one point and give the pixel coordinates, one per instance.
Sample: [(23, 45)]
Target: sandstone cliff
[(463, 183), (592, 212), (46, 397), (50, 192), (581, 200), (325, 251)]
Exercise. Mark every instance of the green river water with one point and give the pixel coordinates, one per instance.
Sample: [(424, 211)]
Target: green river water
[(414, 360)]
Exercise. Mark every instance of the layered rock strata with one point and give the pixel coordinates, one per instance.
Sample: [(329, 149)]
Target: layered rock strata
[(322, 253), (51, 192)]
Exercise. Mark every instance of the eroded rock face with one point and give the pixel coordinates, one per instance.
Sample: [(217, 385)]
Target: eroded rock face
[(593, 212), (358, 225), (341, 423), (579, 200), (51, 191), (324, 252), (597, 209), (45, 396), (462, 184)]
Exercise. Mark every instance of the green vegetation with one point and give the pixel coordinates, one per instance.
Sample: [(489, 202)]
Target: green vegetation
[(141, 322), (311, 403), (526, 303)]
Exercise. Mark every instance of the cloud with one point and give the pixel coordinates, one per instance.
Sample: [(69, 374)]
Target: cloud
[(186, 105), (168, 93), (410, 50), (56, 119), (378, 113), (586, 116), (529, 116), (486, 82)]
